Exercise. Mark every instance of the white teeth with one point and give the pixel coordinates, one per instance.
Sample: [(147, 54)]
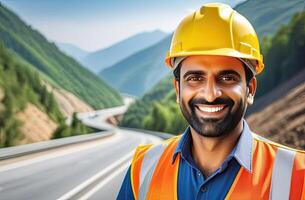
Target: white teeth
[(207, 109)]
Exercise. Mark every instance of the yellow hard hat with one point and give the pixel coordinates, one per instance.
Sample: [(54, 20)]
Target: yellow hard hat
[(216, 29)]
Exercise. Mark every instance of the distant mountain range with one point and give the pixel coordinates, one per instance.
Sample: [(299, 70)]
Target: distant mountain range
[(139, 72), (73, 51), (101, 59)]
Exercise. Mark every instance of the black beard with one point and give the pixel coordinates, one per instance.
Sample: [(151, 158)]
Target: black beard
[(214, 127)]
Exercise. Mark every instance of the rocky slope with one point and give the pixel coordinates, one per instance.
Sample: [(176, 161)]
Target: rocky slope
[(69, 103), (284, 120), (38, 126)]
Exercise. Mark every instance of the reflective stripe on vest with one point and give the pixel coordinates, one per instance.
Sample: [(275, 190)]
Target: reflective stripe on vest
[(283, 163), (281, 174), (149, 163)]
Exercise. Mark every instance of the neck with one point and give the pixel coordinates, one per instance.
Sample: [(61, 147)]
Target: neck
[(210, 152)]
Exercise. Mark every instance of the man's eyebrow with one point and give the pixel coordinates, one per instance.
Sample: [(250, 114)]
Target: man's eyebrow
[(225, 72), (197, 72)]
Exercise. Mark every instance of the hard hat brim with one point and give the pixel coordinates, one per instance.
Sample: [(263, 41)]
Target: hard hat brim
[(217, 52)]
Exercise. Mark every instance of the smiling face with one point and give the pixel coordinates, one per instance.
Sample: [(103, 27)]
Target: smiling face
[(213, 93)]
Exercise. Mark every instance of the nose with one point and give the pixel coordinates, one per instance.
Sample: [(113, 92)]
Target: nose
[(211, 90)]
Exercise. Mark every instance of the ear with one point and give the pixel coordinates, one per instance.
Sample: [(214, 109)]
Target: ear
[(251, 91), (177, 89)]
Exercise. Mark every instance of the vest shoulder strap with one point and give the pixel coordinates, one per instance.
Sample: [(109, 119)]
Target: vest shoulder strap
[(271, 176), (144, 165)]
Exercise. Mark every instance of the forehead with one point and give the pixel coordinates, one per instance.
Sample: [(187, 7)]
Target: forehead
[(211, 64)]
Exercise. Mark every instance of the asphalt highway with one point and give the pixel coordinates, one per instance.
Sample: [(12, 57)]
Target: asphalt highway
[(63, 173), (90, 170)]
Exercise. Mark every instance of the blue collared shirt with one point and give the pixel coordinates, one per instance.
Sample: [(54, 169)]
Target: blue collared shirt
[(191, 183)]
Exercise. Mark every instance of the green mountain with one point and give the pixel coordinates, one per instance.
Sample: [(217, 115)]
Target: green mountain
[(101, 59), (61, 70), (139, 72), (268, 16), (157, 110), (284, 55), (21, 86), (133, 74)]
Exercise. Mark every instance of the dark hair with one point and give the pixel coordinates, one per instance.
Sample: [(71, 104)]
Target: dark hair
[(249, 73), (176, 72)]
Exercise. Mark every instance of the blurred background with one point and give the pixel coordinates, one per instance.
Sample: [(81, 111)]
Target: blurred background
[(82, 83)]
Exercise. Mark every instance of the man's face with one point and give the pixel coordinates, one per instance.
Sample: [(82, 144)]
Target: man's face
[(213, 93)]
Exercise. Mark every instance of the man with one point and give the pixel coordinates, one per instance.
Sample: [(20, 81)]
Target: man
[(215, 57)]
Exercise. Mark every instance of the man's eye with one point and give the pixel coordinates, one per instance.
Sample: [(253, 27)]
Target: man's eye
[(195, 78), (228, 79)]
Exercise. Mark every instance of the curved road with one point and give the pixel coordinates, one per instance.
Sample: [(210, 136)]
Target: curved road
[(90, 170)]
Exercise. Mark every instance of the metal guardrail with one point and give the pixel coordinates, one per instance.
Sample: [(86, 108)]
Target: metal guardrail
[(13, 152), (155, 133), (17, 151)]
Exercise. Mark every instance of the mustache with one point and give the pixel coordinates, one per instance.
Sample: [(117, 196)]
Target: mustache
[(226, 101)]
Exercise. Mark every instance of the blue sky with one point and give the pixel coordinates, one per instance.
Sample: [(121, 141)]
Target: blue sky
[(96, 24)]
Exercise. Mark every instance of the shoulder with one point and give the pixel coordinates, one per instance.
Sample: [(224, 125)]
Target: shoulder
[(273, 147), (142, 149), (265, 141), (138, 159)]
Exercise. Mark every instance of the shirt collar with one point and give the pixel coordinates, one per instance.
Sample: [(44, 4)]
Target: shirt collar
[(242, 151)]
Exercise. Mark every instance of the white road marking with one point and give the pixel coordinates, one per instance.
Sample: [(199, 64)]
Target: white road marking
[(105, 181), (89, 181), (55, 154), (124, 160), (118, 171)]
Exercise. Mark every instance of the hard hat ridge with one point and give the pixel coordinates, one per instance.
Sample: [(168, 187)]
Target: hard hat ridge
[(216, 29)]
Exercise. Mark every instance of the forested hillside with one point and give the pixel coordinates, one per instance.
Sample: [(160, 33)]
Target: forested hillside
[(266, 16), (61, 70), (284, 58), (21, 85), (284, 55), (157, 110)]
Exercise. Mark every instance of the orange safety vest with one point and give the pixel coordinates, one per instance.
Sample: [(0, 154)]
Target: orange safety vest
[(277, 173)]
